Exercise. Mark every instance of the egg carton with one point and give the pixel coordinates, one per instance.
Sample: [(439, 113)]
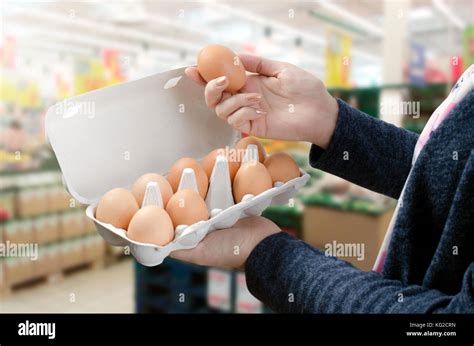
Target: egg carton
[(106, 138), (224, 213)]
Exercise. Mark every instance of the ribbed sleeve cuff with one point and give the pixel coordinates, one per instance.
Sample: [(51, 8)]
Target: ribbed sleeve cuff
[(266, 267), (331, 158)]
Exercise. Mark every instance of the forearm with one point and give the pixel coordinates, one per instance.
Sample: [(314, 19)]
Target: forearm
[(291, 276), (367, 151)]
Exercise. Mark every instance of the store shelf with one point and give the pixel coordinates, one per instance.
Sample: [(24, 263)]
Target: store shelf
[(178, 287), (44, 218)]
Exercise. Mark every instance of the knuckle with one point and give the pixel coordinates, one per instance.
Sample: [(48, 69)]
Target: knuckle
[(207, 99), (220, 112), (231, 121)]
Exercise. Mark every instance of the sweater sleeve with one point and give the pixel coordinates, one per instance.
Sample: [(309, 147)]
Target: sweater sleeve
[(367, 151), (290, 276)]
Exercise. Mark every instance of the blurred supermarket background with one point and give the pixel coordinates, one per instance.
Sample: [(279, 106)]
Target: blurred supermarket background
[(395, 60)]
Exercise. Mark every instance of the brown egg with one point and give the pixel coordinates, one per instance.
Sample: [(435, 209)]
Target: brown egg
[(209, 161), (216, 61), (251, 178), (151, 225), (241, 147), (282, 167), (187, 207), (139, 187), (174, 175), (117, 207)]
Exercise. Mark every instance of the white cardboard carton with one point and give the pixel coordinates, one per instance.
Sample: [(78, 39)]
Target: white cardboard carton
[(109, 137)]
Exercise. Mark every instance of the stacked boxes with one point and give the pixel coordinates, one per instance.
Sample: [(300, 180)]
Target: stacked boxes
[(3, 279), (18, 232), (71, 224), (46, 228), (18, 269), (72, 253), (49, 260), (94, 248), (7, 200), (45, 217)]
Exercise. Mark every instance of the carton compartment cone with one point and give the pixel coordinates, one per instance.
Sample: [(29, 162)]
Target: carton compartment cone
[(219, 196), (188, 180), (133, 105), (152, 195)]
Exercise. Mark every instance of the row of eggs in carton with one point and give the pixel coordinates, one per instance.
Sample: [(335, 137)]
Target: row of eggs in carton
[(158, 208)]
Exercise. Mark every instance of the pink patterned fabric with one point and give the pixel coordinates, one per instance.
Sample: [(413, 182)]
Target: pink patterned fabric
[(463, 86)]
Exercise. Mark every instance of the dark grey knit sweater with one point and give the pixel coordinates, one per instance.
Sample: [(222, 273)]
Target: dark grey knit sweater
[(430, 261)]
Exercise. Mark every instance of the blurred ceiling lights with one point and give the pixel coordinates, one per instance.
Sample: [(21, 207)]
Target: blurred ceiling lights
[(360, 22), (441, 6), (131, 27)]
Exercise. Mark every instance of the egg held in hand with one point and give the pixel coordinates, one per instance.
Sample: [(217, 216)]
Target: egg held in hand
[(139, 187), (242, 145), (174, 175), (251, 178), (151, 225), (282, 167), (187, 207), (216, 61), (209, 161), (117, 207)]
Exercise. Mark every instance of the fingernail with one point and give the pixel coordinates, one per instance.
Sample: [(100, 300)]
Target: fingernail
[(221, 81), (260, 112), (254, 98)]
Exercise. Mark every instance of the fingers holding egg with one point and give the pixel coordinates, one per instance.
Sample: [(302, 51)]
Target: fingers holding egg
[(228, 106), (193, 74), (244, 115), (245, 127), (216, 60), (214, 92)]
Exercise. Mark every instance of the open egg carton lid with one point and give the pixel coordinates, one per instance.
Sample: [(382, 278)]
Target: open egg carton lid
[(109, 137)]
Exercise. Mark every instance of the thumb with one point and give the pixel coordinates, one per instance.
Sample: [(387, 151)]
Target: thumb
[(263, 66)]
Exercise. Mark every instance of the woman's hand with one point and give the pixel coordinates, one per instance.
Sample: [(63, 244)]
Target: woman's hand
[(229, 248), (279, 101)]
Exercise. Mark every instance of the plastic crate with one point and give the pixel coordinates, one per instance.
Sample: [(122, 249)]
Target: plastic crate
[(173, 286)]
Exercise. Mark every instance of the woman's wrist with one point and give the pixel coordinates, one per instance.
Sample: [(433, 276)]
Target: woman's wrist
[(259, 236), (328, 126)]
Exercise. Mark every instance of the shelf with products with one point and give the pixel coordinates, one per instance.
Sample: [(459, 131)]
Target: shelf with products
[(43, 217), (47, 260), (429, 96), (364, 99), (177, 287)]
